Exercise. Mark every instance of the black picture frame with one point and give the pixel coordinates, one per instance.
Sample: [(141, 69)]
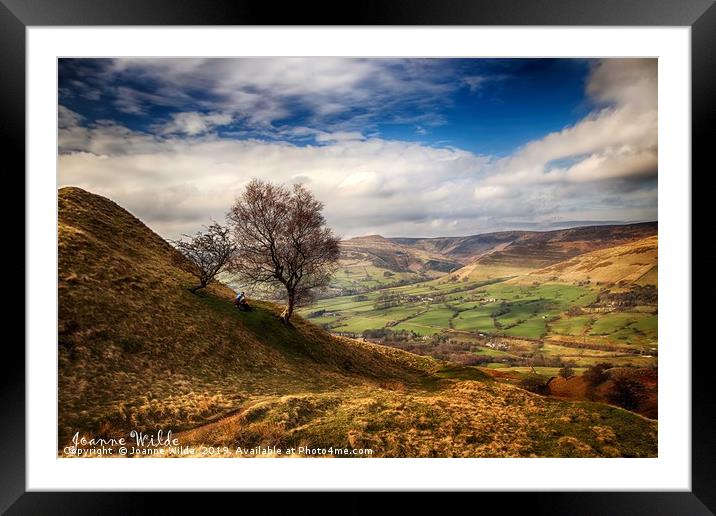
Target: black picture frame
[(700, 15)]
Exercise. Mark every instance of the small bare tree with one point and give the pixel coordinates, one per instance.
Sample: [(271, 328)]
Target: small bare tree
[(206, 253), (282, 240)]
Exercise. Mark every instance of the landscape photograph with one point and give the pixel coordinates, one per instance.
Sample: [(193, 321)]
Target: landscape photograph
[(329, 257)]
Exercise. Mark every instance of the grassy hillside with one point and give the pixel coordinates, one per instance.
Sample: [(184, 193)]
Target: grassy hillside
[(138, 351), (541, 249), (128, 328), (633, 262), (463, 249), (576, 387), (390, 255), (372, 262)]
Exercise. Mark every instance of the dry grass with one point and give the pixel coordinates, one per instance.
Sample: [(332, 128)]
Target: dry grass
[(628, 263), (464, 419)]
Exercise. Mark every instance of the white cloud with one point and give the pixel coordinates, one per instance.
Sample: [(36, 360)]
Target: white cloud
[(193, 123), (623, 163), (475, 82), (617, 142), (360, 183), (601, 168), (625, 82), (66, 118), (368, 186), (364, 183), (263, 90), (490, 192), (339, 136)]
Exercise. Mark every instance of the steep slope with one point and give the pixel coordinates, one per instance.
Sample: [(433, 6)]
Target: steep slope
[(138, 351), (633, 262), (129, 327)]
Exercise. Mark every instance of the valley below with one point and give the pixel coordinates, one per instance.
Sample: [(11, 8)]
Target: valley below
[(567, 300)]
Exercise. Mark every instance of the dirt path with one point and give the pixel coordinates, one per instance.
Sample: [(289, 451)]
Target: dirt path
[(190, 435)]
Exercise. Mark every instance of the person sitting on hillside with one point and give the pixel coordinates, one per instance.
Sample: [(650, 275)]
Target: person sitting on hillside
[(241, 302)]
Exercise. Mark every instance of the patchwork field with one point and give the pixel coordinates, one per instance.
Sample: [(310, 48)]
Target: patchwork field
[(523, 318), (496, 308), (361, 275)]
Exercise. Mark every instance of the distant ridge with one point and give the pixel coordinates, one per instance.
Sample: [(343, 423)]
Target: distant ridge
[(528, 249), (633, 262)]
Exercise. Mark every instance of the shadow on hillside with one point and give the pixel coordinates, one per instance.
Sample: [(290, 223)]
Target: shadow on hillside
[(264, 322)]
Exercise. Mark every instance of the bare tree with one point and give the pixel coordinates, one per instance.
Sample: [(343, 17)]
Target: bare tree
[(282, 240), (206, 253)]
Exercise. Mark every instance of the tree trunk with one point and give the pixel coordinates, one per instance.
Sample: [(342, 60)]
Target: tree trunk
[(288, 311), (195, 288)]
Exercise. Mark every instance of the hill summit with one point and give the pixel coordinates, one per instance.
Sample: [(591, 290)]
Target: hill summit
[(138, 351)]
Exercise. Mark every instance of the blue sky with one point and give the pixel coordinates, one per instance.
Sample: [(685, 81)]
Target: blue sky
[(402, 147), (485, 106)]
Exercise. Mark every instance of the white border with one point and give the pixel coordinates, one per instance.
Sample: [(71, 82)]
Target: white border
[(671, 470)]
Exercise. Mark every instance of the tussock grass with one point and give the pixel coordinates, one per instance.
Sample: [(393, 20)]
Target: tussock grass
[(466, 419)]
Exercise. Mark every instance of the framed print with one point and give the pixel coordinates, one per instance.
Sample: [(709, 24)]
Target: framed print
[(428, 249)]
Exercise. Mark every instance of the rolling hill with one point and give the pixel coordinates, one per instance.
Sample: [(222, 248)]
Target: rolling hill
[(388, 254), (545, 248), (372, 262), (463, 249), (633, 262), (575, 387), (537, 250), (137, 350)]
